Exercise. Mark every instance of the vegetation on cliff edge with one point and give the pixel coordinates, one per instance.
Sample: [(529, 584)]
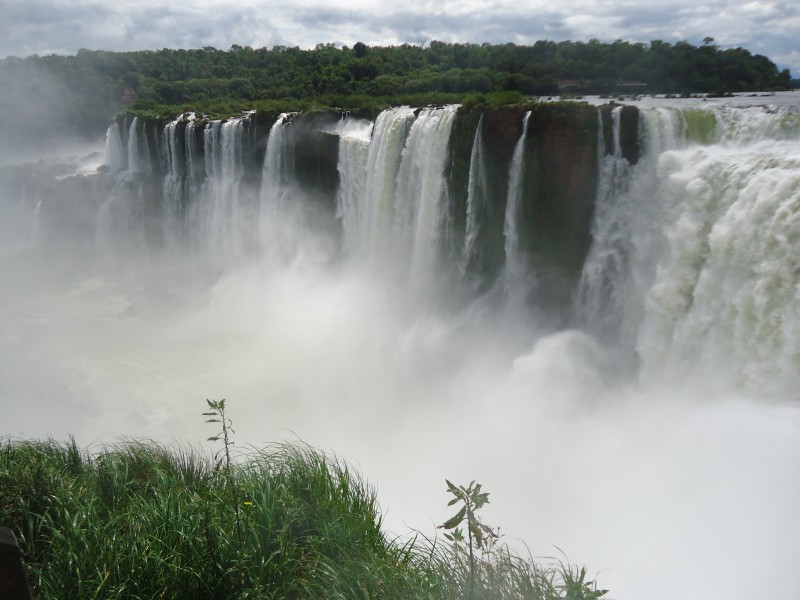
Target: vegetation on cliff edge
[(79, 94)]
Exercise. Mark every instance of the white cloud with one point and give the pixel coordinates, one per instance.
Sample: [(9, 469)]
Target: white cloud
[(762, 9)]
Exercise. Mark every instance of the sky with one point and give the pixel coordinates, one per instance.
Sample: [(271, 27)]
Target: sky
[(63, 26)]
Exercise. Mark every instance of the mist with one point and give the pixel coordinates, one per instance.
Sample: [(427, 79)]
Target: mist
[(663, 486), (42, 114)]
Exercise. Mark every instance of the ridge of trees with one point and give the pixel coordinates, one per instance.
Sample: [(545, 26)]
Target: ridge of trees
[(93, 85)]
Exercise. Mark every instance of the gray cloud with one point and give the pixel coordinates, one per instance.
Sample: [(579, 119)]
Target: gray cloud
[(49, 26)]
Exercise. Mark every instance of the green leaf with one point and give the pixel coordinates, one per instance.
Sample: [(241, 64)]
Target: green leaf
[(456, 519), (453, 501)]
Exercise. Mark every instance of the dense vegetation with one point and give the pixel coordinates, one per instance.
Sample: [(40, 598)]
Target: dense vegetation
[(143, 521), (84, 91)]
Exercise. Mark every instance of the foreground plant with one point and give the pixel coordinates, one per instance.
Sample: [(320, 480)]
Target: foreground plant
[(140, 520), (216, 414), (479, 536), (498, 572)]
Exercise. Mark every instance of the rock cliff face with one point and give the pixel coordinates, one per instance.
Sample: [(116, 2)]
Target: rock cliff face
[(558, 188)]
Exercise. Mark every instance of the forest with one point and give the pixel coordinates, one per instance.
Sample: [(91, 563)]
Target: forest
[(82, 93)]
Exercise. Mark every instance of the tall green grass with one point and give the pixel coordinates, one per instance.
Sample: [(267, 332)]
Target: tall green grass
[(141, 520)]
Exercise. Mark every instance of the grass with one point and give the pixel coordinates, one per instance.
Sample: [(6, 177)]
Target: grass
[(141, 520)]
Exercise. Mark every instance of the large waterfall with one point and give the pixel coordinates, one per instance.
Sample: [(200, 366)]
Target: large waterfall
[(592, 310)]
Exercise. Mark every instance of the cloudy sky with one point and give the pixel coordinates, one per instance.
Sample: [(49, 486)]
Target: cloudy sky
[(64, 26)]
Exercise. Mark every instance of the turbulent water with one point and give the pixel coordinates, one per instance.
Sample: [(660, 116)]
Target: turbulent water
[(655, 439)]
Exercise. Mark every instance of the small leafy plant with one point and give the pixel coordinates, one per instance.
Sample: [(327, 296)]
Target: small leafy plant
[(479, 535), (216, 414)]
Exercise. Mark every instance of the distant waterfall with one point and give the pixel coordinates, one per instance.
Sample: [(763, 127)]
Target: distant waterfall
[(615, 274), (393, 196), (694, 261), (692, 265), (476, 197), (383, 163), (725, 297), (195, 164), (175, 176), (115, 158), (276, 169), (515, 269), (138, 149), (601, 290), (219, 209), (354, 148), (421, 198), (280, 207)]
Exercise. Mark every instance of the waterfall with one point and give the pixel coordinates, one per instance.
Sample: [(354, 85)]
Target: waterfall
[(138, 150), (175, 172), (393, 197), (280, 210), (615, 273), (476, 197), (420, 203), (383, 164), (516, 267), (692, 265), (662, 283), (277, 168), (219, 208), (724, 299), (115, 158), (600, 293), (354, 148), (311, 280), (195, 162)]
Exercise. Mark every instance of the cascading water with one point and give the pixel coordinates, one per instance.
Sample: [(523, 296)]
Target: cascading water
[(115, 158), (709, 204), (663, 478), (354, 149), (516, 273), (420, 203), (138, 149), (277, 164), (601, 290), (383, 163), (276, 189), (220, 208), (393, 197), (725, 295), (477, 197), (175, 177)]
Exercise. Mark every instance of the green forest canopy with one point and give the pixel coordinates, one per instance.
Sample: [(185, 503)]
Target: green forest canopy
[(87, 89)]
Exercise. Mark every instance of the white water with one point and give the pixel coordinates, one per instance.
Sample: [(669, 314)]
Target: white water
[(377, 238), (516, 275), (219, 208), (354, 149), (420, 203), (476, 195), (677, 482), (115, 157)]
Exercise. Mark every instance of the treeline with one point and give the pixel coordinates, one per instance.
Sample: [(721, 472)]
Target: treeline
[(92, 85)]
